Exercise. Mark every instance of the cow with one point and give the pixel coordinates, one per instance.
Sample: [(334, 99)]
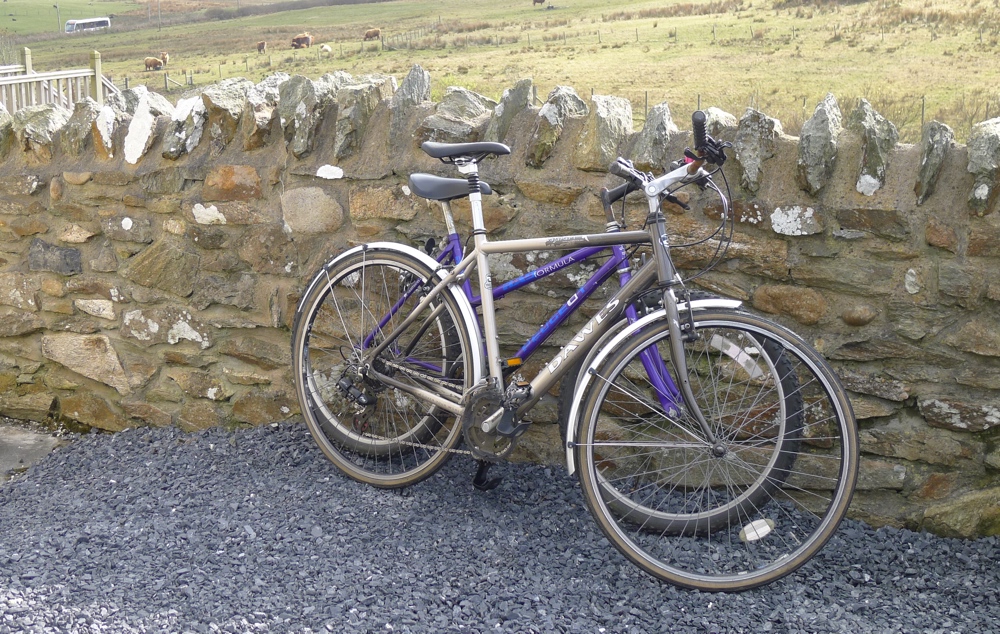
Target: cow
[(302, 40), (261, 47), (534, 2), (326, 49), (164, 57), (373, 34), (154, 63)]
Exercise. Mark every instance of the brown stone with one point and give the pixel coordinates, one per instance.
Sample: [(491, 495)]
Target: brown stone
[(978, 336), (261, 408), (805, 305), (77, 178), (940, 235), (860, 315), (232, 182), (199, 384), (56, 190), (256, 351), (112, 178), (984, 242), (551, 193), (93, 411), (168, 264), (921, 444), (937, 486), (147, 414), (368, 203), (972, 515), (23, 227), (885, 223), (195, 415)]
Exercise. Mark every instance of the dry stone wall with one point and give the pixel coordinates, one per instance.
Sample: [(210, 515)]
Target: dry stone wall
[(151, 254)]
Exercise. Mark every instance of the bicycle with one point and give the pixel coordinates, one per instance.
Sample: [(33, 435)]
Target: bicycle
[(715, 449)]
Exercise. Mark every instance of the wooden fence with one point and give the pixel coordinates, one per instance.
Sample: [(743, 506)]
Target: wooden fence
[(21, 86)]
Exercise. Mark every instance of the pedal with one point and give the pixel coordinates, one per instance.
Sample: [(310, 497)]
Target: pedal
[(481, 482)]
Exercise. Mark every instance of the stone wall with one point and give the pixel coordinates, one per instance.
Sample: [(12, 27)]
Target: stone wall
[(151, 254)]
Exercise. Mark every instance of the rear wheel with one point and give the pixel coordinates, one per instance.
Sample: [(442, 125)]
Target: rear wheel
[(737, 513), (364, 412)]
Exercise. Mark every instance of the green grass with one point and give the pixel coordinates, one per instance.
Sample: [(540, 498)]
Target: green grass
[(934, 59), (28, 17)]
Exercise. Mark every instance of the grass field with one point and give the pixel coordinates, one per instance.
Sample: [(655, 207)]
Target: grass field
[(913, 59)]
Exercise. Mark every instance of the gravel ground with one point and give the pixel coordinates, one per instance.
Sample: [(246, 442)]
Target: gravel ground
[(158, 530)]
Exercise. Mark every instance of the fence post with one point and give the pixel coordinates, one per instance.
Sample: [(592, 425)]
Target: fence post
[(166, 83), (26, 60), (97, 88)]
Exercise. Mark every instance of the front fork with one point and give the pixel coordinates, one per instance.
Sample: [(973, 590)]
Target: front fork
[(667, 278)]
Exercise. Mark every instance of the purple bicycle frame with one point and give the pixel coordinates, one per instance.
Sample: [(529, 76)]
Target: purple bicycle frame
[(666, 390)]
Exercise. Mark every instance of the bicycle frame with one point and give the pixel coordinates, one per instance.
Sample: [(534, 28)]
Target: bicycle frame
[(581, 342)]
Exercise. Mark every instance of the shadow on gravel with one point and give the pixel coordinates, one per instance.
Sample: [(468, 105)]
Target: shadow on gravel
[(254, 531)]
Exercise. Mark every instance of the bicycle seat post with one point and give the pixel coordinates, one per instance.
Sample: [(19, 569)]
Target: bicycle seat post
[(470, 169)]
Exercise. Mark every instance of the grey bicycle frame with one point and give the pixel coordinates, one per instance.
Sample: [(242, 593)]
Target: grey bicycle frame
[(661, 269)]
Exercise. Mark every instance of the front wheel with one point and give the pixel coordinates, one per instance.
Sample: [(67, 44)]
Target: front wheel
[(742, 509)]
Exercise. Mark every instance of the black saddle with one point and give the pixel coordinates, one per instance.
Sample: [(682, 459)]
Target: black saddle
[(440, 188), (476, 152)]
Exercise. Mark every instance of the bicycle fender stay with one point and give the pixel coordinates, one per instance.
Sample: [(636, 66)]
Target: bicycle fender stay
[(604, 348), (467, 312)]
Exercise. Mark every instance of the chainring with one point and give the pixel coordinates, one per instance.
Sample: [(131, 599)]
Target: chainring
[(481, 402)]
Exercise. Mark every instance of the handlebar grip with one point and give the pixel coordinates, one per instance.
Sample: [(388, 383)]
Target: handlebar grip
[(698, 120), (618, 169), (614, 194)]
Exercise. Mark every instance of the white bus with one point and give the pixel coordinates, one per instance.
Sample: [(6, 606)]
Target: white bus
[(90, 24)]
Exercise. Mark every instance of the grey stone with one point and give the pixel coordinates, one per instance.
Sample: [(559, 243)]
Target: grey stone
[(106, 260), (754, 144), (960, 415), (15, 323), (935, 141), (301, 103), (310, 210), (818, 145), (43, 256), (256, 351), (128, 229), (268, 250), (6, 131), (873, 384), (562, 103), (796, 221), (170, 325), (650, 150), (141, 133), (164, 181), (215, 289), (461, 116), (878, 138), (414, 90), (356, 104), (513, 101), (225, 103), (260, 109), (186, 127), (35, 127), (93, 356), (984, 163), (128, 102), (168, 264), (78, 133), (607, 126), (719, 123), (19, 290)]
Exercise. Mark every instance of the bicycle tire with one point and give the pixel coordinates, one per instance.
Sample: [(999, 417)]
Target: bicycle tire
[(398, 439), (706, 518)]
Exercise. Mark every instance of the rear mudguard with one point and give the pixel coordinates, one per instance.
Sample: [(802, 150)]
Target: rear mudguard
[(468, 314), (608, 343)]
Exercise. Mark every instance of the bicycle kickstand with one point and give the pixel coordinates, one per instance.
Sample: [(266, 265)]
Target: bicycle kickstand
[(481, 482)]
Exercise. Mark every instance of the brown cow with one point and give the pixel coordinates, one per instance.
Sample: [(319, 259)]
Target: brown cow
[(164, 57), (261, 47), (154, 63), (302, 40), (373, 34), (534, 2)]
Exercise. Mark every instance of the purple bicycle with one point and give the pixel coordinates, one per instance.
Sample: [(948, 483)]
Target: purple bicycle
[(716, 449)]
